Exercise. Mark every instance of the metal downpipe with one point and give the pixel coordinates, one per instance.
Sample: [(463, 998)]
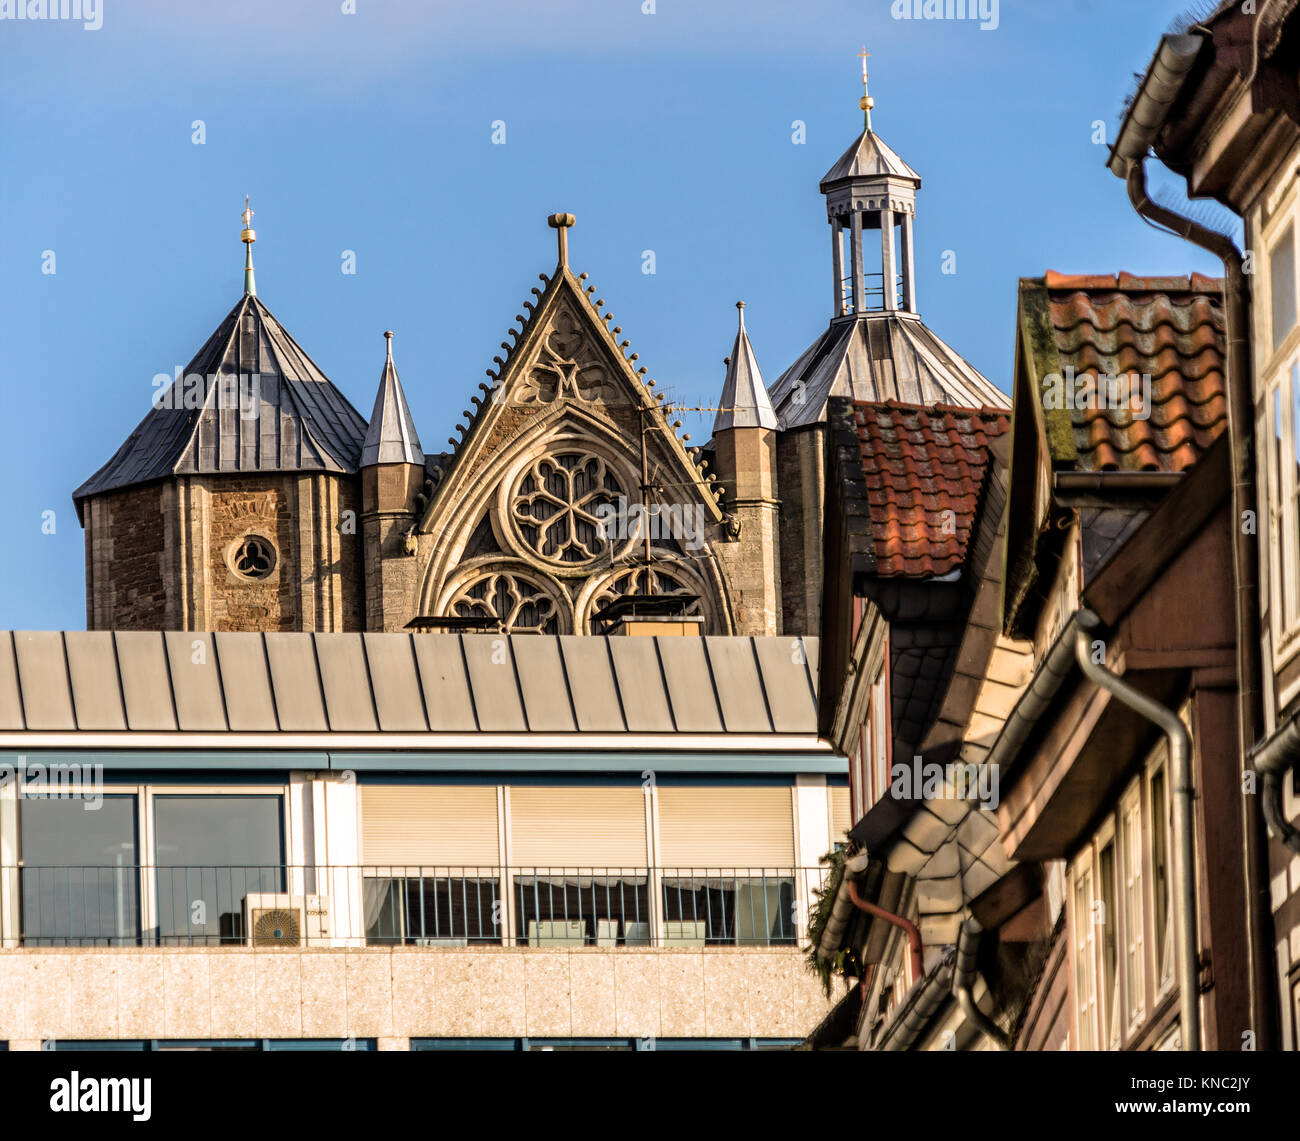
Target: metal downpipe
[(1250, 722), (909, 928), (1180, 771), (963, 978)]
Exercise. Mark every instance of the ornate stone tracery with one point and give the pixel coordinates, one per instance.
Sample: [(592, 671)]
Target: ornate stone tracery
[(667, 574), (557, 373), (514, 600), (555, 504)]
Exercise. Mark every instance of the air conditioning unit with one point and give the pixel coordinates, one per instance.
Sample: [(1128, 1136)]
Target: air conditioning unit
[(276, 919)]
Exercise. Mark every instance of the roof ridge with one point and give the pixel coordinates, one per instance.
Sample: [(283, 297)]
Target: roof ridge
[(1125, 282)]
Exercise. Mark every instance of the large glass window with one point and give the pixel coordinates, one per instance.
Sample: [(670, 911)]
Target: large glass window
[(212, 852), (78, 881), (749, 910), (429, 909), (563, 909)]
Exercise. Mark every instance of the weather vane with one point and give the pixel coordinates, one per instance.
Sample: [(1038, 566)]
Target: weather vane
[(866, 102)]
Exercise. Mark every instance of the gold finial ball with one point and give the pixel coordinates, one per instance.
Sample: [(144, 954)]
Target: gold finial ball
[(388, 334), (866, 103), (560, 221)]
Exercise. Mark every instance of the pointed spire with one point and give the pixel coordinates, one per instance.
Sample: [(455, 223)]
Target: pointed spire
[(391, 437), (248, 237), (745, 403), (866, 102)]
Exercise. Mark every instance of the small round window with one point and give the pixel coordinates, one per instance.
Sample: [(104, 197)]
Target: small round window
[(254, 558)]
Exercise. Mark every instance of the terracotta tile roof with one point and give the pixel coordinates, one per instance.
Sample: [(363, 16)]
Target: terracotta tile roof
[(919, 463), (1168, 328)]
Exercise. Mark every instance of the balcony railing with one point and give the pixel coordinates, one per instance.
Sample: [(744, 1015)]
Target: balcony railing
[(335, 906)]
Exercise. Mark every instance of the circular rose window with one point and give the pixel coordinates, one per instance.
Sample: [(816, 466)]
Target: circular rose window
[(253, 558), (558, 505)]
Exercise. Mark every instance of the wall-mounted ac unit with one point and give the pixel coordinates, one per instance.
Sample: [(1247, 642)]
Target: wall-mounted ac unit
[(276, 919)]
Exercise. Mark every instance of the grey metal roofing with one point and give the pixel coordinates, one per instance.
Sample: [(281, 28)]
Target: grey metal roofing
[(302, 422), (745, 402), (102, 681), (875, 357), (391, 437), (869, 157)]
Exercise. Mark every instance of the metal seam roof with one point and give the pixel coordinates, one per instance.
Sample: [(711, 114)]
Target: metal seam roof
[(303, 422), (859, 358), (83, 682)]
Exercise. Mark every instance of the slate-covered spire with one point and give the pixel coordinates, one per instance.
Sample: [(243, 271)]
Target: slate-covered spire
[(744, 403), (391, 437), (251, 401)]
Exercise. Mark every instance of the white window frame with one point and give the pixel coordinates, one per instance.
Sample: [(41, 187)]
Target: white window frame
[(1083, 952), (1278, 372), (879, 738), (1132, 855), (1109, 990), (1163, 975)]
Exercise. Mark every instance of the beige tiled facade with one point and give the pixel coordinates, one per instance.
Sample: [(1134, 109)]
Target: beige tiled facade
[(395, 994)]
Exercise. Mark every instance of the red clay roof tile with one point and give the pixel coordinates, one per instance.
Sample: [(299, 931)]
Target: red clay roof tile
[(1168, 328), (924, 470)]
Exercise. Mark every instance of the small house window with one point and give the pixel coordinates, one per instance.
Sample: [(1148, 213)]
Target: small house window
[(1282, 283), (254, 558)]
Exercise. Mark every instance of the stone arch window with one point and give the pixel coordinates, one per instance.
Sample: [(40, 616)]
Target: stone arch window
[(515, 602), (253, 558), (654, 579), (556, 503)]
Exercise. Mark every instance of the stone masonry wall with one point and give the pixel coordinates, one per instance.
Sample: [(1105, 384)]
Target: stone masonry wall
[(401, 993), (125, 560)]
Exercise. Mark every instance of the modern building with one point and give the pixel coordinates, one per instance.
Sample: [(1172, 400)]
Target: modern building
[(409, 840)]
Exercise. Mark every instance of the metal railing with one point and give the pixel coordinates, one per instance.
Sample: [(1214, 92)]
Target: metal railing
[(873, 293), (381, 905)]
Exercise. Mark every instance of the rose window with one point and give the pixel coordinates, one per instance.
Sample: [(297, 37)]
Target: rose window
[(556, 506)]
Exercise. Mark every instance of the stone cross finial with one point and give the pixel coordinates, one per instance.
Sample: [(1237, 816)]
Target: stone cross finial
[(560, 223)]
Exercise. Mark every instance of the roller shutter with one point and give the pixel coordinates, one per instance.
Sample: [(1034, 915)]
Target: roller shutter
[(840, 820), (565, 827), (449, 826), (726, 827)]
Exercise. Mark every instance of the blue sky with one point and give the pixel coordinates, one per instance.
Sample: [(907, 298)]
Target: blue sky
[(372, 132)]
